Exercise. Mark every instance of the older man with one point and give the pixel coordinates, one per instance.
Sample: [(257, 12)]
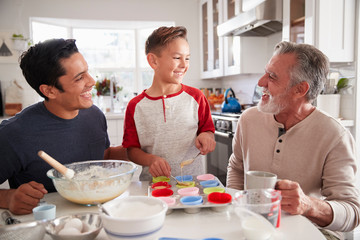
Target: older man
[(310, 151)]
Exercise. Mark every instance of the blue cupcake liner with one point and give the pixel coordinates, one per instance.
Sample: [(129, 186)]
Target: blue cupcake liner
[(209, 183), (191, 200)]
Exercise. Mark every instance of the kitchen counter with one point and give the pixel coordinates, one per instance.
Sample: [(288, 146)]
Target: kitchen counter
[(347, 123), (111, 116), (207, 223)]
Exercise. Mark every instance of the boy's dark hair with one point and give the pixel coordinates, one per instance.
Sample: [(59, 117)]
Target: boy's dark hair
[(41, 64), (162, 36)]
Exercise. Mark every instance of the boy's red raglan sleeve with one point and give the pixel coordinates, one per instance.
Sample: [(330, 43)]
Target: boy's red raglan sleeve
[(130, 138)]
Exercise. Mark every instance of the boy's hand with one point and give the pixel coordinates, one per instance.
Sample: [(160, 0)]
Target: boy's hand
[(159, 167), (205, 142)]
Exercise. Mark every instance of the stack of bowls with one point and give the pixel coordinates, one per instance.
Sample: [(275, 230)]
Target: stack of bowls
[(134, 217)]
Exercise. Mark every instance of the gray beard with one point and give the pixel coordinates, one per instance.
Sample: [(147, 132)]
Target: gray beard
[(274, 105)]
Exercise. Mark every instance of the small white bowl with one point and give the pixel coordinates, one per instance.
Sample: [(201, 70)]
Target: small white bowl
[(134, 217)]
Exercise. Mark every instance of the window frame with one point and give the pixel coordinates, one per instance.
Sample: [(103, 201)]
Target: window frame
[(137, 26)]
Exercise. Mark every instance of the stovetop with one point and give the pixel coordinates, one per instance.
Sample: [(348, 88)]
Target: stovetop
[(217, 116), (225, 122), (233, 115)]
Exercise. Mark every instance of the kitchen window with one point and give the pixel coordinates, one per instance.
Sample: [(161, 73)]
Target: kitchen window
[(112, 49)]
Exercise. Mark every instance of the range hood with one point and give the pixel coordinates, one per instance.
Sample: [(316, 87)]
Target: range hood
[(262, 20)]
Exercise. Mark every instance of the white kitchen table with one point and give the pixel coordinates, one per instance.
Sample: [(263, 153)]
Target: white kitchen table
[(205, 224)]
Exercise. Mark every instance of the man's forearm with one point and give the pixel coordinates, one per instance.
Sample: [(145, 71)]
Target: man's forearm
[(5, 197), (320, 212), (118, 152), (139, 157)]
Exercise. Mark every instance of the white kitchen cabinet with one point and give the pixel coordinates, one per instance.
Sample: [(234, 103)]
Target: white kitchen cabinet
[(245, 55), (293, 20), (329, 25), (231, 55), (231, 44), (334, 28), (115, 123), (211, 45)]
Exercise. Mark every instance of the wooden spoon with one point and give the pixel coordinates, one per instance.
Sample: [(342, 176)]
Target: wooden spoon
[(67, 172)]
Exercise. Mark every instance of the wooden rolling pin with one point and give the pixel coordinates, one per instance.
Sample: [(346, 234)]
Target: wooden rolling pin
[(67, 172)]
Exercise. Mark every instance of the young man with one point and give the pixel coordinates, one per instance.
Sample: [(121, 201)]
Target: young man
[(169, 122), (66, 125), (311, 152)]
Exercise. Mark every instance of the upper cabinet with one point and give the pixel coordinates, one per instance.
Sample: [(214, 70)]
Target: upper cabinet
[(327, 24), (334, 26), (231, 44), (211, 45), (229, 55)]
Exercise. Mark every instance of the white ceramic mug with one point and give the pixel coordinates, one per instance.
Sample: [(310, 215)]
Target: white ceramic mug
[(260, 179)]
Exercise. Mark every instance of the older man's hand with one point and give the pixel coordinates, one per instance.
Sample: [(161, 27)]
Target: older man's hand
[(294, 201)]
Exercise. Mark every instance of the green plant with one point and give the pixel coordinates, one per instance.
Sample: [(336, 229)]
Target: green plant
[(17, 36), (342, 84), (103, 87)]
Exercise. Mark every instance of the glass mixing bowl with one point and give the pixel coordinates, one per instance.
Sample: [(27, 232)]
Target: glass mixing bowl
[(95, 181)]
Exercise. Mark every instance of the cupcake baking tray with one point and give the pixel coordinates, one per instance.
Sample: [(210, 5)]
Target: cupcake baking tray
[(190, 203)]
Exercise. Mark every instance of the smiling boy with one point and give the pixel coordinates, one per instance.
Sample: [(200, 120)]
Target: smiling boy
[(168, 122), (66, 125)]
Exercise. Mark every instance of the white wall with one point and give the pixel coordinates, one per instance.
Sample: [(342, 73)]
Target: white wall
[(15, 14)]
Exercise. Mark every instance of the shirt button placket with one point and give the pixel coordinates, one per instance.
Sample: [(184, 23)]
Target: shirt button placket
[(277, 146), (277, 157)]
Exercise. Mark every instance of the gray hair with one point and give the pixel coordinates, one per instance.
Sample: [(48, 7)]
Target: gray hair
[(312, 66)]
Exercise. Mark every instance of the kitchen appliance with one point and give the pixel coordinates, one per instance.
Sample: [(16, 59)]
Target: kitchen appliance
[(231, 104), (261, 20), (225, 127)]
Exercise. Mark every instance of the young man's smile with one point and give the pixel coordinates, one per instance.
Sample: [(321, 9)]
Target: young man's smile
[(77, 85)]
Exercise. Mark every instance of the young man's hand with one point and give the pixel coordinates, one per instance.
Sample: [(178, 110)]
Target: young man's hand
[(23, 199)]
